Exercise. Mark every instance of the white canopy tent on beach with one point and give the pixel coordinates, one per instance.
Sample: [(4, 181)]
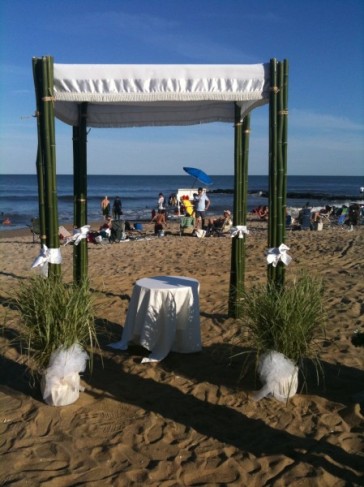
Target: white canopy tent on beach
[(107, 96), (144, 95)]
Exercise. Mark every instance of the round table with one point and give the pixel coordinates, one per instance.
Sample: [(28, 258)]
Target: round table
[(163, 315)]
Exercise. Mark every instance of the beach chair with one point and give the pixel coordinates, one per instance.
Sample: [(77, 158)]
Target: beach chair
[(326, 217), (344, 215), (186, 225), (305, 219), (117, 231), (35, 228), (220, 230), (289, 222), (64, 234)]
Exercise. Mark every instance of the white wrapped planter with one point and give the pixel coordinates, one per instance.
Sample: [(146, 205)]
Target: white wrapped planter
[(279, 376), (60, 383)]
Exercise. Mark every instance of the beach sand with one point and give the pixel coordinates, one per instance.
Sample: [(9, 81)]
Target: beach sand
[(190, 419)]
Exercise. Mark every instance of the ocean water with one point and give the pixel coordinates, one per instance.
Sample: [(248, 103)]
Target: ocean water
[(139, 194)]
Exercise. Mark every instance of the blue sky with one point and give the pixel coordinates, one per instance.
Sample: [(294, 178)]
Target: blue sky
[(322, 40)]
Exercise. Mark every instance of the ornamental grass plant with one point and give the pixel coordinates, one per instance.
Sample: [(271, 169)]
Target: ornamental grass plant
[(289, 320), (54, 314)]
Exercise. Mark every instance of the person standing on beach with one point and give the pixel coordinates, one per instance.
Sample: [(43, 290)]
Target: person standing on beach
[(105, 207), (117, 208), (202, 204), (161, 201)]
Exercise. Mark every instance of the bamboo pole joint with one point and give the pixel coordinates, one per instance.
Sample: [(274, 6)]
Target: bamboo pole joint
[(274, 89)]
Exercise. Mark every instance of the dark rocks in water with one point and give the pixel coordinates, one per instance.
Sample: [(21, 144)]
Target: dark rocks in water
[(296, 195), (262, 194), (221, 191), (322, 196)]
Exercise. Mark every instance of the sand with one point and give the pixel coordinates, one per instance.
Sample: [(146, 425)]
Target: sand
[(189, 420)]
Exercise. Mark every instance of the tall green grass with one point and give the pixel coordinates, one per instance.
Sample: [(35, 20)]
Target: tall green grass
[(54, 315), (289, 320)]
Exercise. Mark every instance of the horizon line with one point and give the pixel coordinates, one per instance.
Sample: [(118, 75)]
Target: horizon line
[(186, 175)]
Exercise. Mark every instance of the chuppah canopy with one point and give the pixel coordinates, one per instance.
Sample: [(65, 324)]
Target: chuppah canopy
[(157, 95)]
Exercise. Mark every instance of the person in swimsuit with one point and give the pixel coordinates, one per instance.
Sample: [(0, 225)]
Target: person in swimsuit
[(105, 208), (159, 221)]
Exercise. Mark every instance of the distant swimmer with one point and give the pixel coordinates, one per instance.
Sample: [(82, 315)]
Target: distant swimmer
[(362, 189)]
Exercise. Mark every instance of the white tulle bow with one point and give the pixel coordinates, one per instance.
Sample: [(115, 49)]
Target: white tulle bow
[(61, 380), (239, 231), (45, 257), (274, 255), (79, 234)]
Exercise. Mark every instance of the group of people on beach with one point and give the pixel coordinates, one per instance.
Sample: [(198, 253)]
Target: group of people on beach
[(116, 208), (346, 215), (196, 208)]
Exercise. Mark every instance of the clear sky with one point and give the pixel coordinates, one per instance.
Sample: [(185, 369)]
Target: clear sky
[(322, 39)]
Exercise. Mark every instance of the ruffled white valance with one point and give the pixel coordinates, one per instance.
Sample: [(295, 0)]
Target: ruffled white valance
[(145, 95)]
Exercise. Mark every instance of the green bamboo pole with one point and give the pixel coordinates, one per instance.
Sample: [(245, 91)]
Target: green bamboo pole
[(241, 158), (281, 210), (80, 252), (52, 141), (272, 221), (76, 158), (49, 157), (48, 145), (43, 74), (285, 135), (37, 76), (41, 200)]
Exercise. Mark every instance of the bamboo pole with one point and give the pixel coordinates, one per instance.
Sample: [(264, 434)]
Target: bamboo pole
[(41, 201), (54, 235), (48, 146), (241, 158), (80, 252), (277, 164), (285, 134), (46, 158), (37, 77), (272, 220), (281, 210)]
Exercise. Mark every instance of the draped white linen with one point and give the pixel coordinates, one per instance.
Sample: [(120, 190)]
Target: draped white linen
[(163, 315), (147, 95)]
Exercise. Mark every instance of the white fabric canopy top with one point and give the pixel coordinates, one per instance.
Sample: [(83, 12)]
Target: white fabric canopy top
[(145, 95)]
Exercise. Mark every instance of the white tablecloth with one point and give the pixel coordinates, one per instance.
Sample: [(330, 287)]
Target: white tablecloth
[(163, 315)]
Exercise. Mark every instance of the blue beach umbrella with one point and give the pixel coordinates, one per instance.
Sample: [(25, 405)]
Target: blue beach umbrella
[(198, 174)]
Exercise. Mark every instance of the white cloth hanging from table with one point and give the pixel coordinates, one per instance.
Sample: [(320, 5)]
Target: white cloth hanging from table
[(163, 315)]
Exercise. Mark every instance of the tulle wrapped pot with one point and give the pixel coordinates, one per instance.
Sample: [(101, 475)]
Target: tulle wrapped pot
[(60, 385), (278, 375)]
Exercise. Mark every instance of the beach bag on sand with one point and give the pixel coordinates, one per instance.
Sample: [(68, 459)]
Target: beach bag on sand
[(60, 384), (279, 376), (200, 233), (117, 231)]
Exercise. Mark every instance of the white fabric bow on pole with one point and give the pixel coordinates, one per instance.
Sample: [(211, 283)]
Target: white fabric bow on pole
[(79, 234), (239, 231), (274, 255), (45, 257)]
